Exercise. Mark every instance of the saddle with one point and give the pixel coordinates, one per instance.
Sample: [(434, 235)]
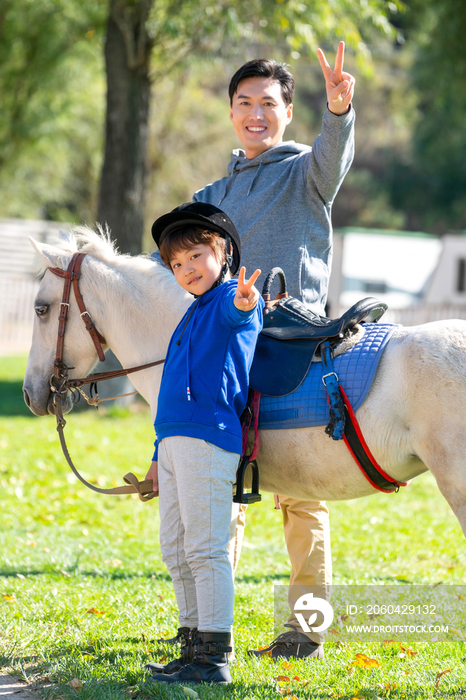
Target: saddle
[(292, 334)]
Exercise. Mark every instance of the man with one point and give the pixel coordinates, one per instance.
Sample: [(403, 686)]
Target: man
[(279, 195)]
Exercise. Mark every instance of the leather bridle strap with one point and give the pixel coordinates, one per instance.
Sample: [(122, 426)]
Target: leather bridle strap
[(102, 376), (73, 275), (144, 489)]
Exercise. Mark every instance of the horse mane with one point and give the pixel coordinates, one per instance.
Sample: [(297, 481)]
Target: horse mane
[(98, 244)]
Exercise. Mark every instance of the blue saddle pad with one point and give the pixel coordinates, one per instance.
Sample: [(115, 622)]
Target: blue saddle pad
[(308, 405)]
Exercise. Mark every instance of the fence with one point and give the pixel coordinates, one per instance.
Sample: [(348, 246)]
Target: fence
[(424, 313), (18, 280)]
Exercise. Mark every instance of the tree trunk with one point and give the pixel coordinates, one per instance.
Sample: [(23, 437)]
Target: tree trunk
[(123, 179)]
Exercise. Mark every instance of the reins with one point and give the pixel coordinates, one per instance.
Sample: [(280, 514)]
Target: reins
[(60, 383)]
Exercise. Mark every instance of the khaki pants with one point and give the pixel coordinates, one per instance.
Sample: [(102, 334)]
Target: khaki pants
[(307, 536)]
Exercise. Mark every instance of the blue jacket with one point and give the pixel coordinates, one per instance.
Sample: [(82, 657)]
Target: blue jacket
[(205, 379)]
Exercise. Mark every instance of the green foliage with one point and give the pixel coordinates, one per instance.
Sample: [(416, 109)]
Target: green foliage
[(286, 27), (51, 90), (429, 180)]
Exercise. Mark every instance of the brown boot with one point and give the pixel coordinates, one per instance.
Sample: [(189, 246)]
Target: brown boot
[(291, 644)]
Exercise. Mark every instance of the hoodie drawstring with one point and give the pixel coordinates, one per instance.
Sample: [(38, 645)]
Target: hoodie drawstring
[(228, 182), (191, 313), (254, 178)]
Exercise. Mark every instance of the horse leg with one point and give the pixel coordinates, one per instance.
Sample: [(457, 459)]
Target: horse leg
[(443, 451)]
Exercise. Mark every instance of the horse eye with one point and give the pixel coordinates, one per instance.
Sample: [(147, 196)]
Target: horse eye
[(41, 310)]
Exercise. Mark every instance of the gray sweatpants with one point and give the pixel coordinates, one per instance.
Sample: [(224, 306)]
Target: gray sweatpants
[(195, 494)]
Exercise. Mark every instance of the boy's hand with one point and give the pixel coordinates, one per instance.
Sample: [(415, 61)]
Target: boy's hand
[(153, 474), (339, 85), (246, 294)]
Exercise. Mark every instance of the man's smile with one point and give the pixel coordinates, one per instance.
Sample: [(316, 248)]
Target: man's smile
[(256, 128)]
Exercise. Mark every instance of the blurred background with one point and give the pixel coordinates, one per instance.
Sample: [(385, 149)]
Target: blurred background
[(116, 111)]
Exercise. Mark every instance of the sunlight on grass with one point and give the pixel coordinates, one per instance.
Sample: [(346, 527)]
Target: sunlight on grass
[(84, 592)]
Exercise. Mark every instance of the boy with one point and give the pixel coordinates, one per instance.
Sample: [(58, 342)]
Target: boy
[(199, 440)]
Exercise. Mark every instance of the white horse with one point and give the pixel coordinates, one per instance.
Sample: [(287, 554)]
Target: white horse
[(413, 419)]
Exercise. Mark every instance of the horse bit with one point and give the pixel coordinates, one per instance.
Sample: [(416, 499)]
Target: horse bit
[(60, 383)]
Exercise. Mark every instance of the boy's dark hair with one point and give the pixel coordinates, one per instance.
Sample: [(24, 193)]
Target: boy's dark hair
[(264, 68), (186, 237)]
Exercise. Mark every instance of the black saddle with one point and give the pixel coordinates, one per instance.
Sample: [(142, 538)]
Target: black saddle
[(291, 335)]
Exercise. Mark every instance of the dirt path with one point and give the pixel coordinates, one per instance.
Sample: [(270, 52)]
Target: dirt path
[(10, 687)]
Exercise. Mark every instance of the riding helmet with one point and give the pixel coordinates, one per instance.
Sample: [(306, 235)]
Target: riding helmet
[(200, 214)]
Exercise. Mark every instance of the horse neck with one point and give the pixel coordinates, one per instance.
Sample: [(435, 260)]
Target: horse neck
[(137, 305)]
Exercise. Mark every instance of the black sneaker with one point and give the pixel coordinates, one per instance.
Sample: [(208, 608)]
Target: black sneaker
[(291, 644)]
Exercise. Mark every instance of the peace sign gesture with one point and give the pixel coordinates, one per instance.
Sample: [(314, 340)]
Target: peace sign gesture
[(339, 85), (246, 294)]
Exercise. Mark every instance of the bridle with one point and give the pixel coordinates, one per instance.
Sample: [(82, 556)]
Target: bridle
[(60, 383)]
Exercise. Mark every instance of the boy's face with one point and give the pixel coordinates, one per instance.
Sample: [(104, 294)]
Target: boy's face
[(196, 268), (259, 114)]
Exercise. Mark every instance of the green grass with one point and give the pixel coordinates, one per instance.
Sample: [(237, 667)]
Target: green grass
[(83, 590)]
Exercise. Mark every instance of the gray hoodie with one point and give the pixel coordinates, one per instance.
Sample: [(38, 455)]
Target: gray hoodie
[(280, 202)]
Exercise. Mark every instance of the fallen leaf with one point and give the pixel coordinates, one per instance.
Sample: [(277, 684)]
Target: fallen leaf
[(8, 598), (65, 573), (286, 664), (20, 576), (30, 543), (439, 676), (409, 651), (114, 562), (365, 662), (282, 679), (46, 549), (94, 611), (296, 678), (163, 659), (190, 692), (75, 684)]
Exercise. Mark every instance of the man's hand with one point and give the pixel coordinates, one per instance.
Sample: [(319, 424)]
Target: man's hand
[(153, 474), (246, 294), (339, 85)]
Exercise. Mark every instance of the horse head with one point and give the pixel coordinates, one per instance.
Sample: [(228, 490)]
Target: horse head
[(79, 352)]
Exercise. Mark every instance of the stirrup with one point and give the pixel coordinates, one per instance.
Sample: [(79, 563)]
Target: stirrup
[(240, 496)]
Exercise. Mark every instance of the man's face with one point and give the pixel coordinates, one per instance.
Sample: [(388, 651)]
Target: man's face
[(259, 114)]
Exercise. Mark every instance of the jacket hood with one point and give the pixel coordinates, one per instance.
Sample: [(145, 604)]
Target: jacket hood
[(271, 155)]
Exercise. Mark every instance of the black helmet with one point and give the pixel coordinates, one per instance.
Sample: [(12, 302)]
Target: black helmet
[(206, 215)]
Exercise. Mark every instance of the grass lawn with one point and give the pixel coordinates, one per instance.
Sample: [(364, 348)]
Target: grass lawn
[(84, 591)]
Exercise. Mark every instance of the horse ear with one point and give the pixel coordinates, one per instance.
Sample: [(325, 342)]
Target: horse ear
[(54, 257)]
